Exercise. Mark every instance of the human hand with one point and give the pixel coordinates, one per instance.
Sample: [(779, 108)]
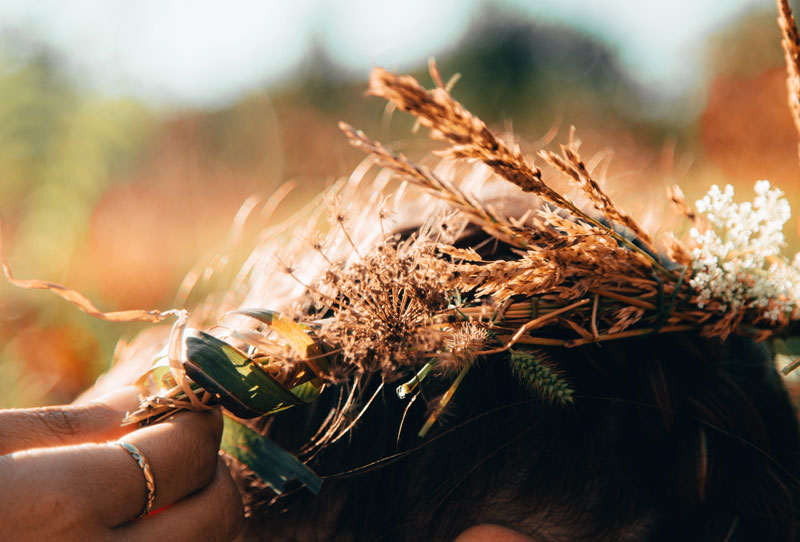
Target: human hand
[(63, 480)]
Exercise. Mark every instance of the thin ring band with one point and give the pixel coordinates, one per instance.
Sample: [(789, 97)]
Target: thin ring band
[(149, 481)]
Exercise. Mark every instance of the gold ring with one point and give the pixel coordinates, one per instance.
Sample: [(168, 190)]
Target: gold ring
[(149, 481)]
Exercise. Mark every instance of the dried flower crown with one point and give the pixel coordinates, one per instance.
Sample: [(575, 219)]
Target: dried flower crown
[(405, 308)]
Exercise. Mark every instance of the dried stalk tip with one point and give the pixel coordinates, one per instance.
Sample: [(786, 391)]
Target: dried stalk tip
[(791, 50), (83, 302), (470, 138), (571, 164), (449, 120)]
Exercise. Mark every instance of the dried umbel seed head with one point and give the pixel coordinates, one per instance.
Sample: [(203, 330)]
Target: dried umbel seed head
[(386, 305)]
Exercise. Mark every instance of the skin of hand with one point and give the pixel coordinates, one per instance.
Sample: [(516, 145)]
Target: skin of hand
[(63, 480)]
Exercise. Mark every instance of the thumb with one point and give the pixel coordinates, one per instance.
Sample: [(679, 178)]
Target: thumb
[(97, 421)]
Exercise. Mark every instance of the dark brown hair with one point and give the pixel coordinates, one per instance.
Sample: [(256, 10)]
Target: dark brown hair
[(671, 437)]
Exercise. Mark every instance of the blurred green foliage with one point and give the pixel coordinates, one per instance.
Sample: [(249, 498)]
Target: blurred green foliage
[(59, 151)]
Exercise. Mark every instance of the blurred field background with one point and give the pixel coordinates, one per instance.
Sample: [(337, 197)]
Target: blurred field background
[(130, 133)]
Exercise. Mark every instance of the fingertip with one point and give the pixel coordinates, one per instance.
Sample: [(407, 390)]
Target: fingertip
[(213, 421), (217, 424), (235, 513)]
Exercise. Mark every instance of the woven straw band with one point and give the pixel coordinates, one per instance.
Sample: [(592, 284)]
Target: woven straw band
[(149, 481)]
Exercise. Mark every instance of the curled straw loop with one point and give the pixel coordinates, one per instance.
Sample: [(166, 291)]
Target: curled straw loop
[(81, 301), (176, 354)]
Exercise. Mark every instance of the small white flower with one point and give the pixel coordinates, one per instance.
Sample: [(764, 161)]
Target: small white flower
[(737, 260)]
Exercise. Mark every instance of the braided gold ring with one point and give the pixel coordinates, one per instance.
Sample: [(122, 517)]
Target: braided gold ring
[(149, 481)]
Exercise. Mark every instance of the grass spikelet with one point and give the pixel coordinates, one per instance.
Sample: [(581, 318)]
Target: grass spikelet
[(469, 135), (678, 199), (572, 165), (471, 139), (463, 345), (532, 369), (468, 254), (440, 187)]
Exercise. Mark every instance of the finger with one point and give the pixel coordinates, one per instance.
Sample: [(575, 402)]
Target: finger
[(215, 513), (97, 421), (182, 454), (32, 511), (104, 483)]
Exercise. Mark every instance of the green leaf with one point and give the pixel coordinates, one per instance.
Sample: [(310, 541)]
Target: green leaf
[(160, 372), (244, 388), (434, 415), (274, 465), (292, 333), (262, 315), (307, 391)]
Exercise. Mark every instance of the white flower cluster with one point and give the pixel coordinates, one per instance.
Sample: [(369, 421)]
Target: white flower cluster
[(737, 259)]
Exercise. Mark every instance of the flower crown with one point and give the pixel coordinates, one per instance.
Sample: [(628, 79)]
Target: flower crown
[(406, 307)]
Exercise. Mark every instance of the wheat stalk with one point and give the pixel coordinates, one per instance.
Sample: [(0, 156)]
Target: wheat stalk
[(470, 138), (791, 50)]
